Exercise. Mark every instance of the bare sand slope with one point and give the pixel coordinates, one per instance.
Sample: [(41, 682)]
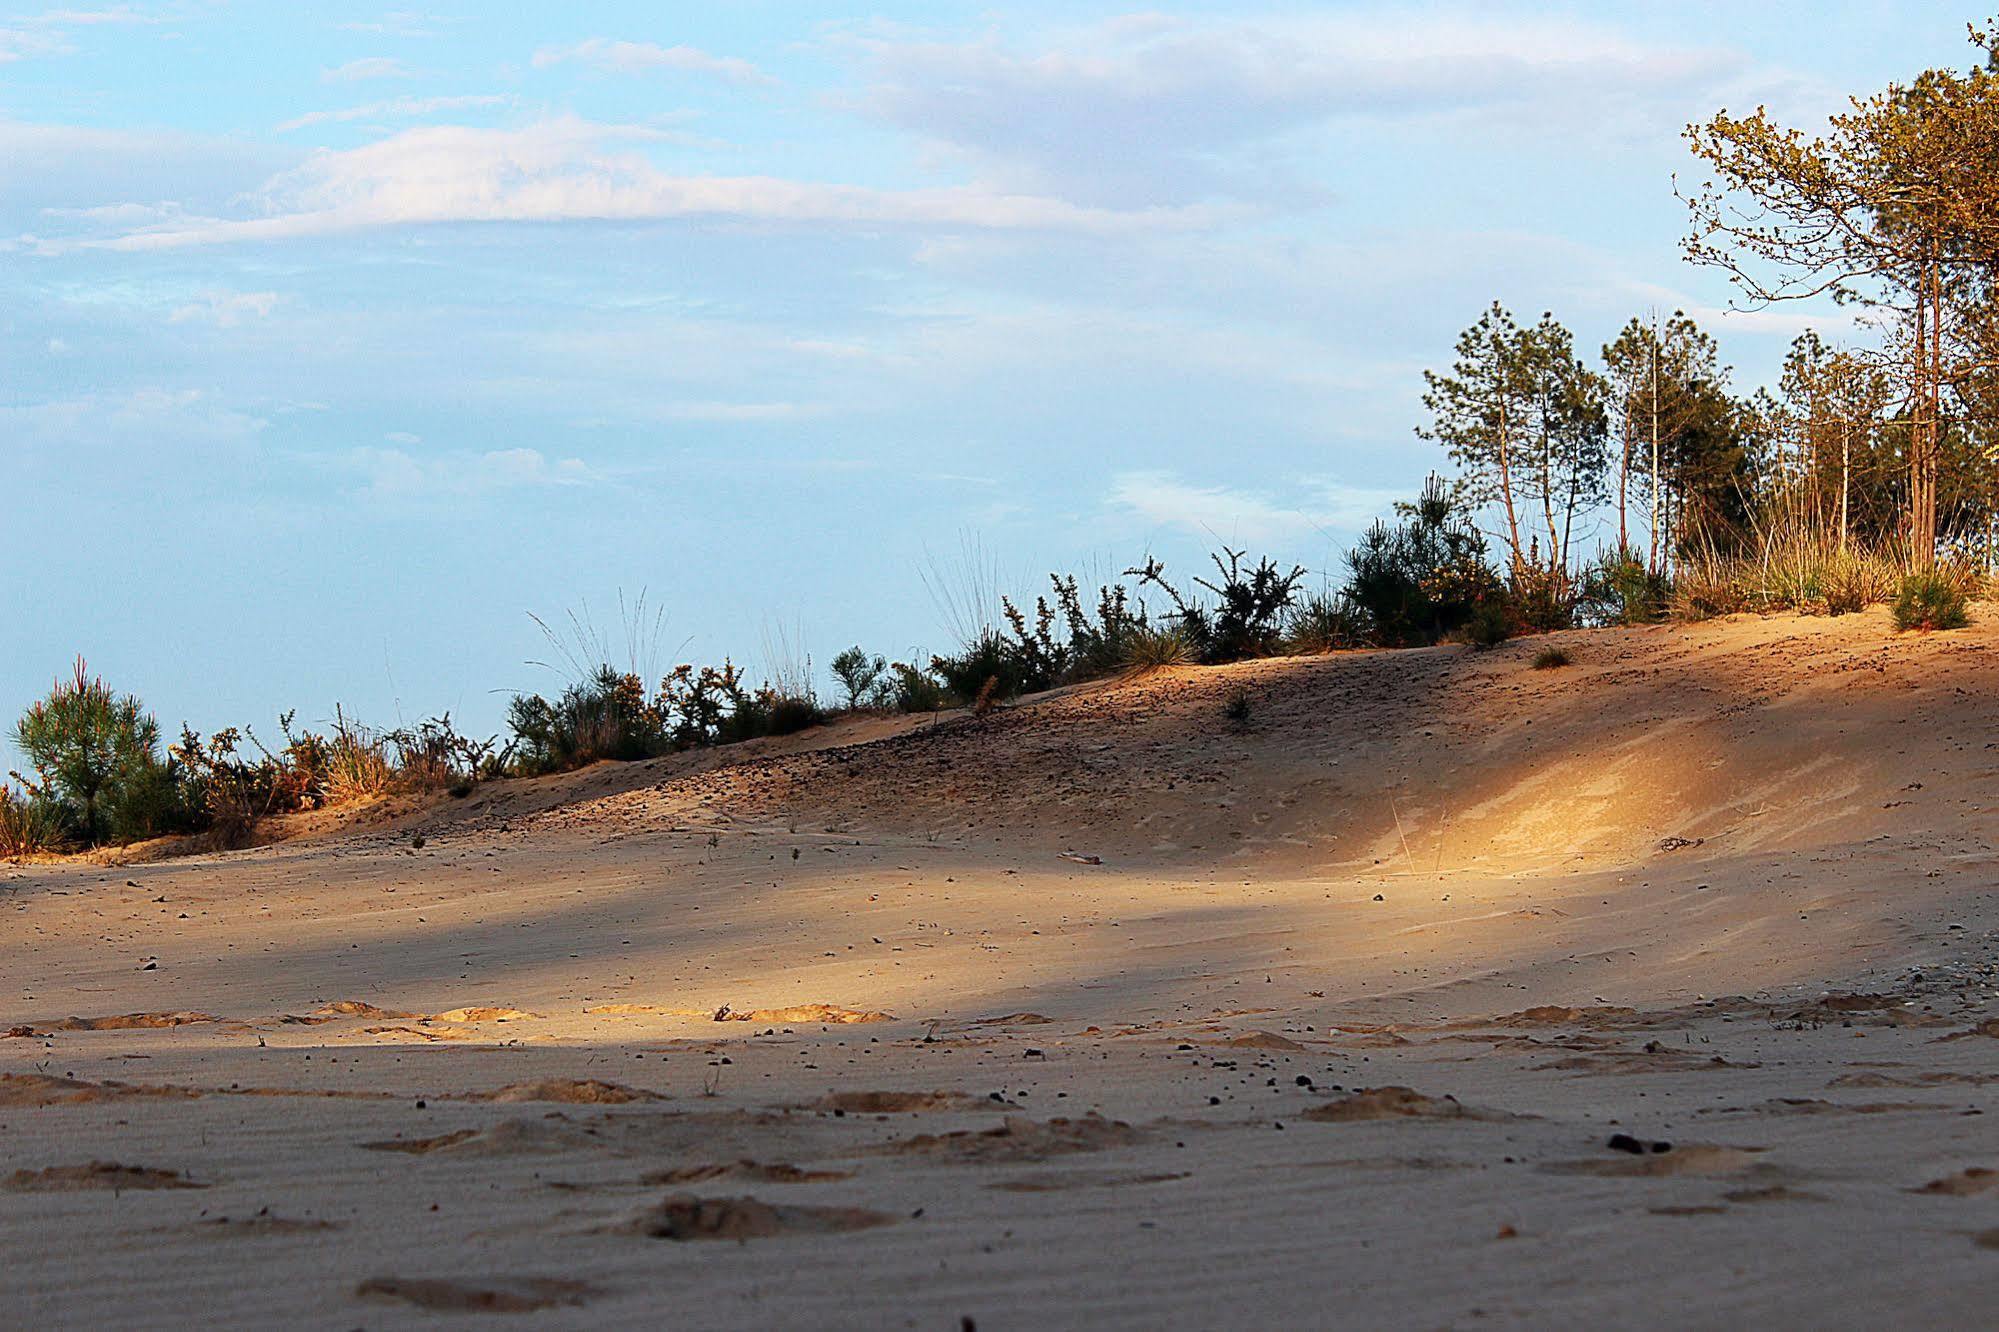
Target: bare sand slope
[(1103, 1011)]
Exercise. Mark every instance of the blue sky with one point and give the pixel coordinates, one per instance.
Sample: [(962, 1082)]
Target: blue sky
[(335, 340)]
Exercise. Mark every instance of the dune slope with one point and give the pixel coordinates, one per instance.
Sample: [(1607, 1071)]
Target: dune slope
[(1078, 1015)]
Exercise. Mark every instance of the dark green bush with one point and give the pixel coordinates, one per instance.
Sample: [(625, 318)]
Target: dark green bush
[(1931, 599), (1424, 578), (96, 756), (1491, 623)]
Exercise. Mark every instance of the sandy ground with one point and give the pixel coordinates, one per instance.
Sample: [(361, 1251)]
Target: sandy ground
[(1331, 1018)]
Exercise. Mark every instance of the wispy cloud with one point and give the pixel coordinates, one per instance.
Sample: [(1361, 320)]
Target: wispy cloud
[(648, 58), (567, 170), (1164, 499), (225, 309), (1157, 106), (400, 23), (26, 42), (398, 474), (371, 67), (396, 108)]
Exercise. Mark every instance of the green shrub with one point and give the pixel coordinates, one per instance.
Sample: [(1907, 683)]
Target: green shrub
[(1932, 599), (1550, 658), (1016, 669), (1422, 579), (913, 689), (1542, 597), (1620, 589), (1491, 623), (860, 675), (96, 753)]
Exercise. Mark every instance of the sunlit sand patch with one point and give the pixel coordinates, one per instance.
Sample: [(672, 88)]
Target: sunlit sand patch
[(423, 1033), (826, 1013), (43, 1089), (133, 1021)]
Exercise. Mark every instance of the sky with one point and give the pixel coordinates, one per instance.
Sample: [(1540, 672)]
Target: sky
[(337, 342)]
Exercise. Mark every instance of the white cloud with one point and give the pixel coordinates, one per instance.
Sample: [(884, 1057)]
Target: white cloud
[(566, 170), (400, 23), (1163, 499), (647, 58), (372, 67), (23, 43), (400, 475), (1164, 107), (159, 424), (86, 18), (396, 108), (225, 309), (746, 411)]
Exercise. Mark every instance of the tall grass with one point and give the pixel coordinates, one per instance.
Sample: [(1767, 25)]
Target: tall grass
[(1797, 566), (30, 824)]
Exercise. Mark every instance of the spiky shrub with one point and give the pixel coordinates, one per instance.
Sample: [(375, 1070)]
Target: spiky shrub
[(1247, 618), (1422, 579), (1930, 599), (96, 754), (1549, 659), (30, 823), (1103, 645)]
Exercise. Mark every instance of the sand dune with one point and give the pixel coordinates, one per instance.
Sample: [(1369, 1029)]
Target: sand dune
[(1102, 1011)]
